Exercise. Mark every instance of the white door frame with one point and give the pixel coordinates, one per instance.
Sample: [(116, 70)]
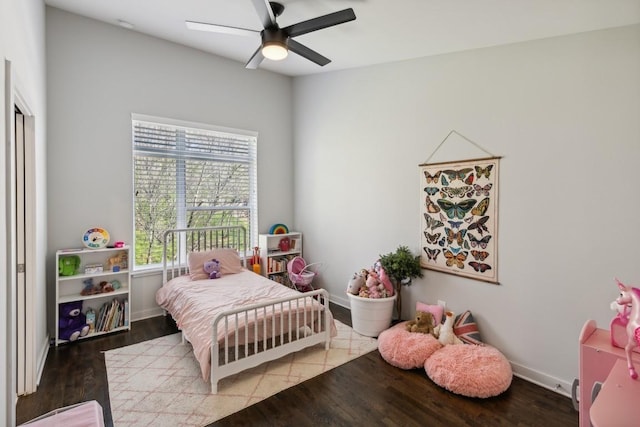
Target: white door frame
[(25, 257), (9, 308), (19, 236)]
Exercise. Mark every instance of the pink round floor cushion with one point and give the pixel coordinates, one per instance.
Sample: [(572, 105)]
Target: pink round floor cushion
[(404, 349), (470, 370)]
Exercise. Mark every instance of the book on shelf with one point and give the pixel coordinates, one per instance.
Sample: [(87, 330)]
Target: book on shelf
[(126, 313), (278, 264), (113, 314), (101, 315)]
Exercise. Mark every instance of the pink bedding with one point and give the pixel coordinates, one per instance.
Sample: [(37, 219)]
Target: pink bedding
[(195, 304)]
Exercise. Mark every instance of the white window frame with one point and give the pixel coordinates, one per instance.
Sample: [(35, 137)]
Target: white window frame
[(181, 208)]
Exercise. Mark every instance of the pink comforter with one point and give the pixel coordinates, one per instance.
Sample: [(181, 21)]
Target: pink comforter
[(195, 304)]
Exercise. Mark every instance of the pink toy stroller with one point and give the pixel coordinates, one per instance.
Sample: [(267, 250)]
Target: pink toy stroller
[(301, 274)]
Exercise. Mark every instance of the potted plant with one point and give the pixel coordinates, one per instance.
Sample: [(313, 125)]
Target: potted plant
[(401, 266)]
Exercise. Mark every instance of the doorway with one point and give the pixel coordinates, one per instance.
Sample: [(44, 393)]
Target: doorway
[(23, 230)]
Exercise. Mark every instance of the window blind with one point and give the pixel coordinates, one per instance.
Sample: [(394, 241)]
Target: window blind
[(190, 175)]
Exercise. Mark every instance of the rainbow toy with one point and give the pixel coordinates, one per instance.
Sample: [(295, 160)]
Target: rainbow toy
[(278, 229)]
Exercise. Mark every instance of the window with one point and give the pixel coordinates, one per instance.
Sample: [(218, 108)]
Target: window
[(190, 175)]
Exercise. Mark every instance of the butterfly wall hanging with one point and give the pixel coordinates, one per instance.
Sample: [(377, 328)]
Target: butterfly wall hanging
[(459, 217)]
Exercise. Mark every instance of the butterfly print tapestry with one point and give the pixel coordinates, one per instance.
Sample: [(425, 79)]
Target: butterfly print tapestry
[(459, 218)]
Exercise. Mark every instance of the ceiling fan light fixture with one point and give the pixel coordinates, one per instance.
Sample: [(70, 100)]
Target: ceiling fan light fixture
[(274, 50)]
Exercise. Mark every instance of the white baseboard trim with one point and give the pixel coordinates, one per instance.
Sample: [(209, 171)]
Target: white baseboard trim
[(42, 358), (343, 302), (536, 377), (146, 314), (541, 379)]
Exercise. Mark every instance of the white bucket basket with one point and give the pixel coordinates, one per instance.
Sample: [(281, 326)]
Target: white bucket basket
[(370, 316)]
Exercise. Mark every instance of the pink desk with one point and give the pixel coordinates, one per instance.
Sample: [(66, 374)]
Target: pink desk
[(618, 403), (597, 358)]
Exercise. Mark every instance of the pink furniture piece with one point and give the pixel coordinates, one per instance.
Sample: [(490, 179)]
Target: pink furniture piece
[(597, 358), (86, 414), (617, 402)]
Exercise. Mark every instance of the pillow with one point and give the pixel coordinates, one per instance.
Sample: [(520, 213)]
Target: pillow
[(436, 310), (466, 329), (229, 262), (470, 370), (404, 349)]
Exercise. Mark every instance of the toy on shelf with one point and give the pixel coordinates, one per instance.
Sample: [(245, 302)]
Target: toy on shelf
[(278, 229), (90, 318), (72, 322), (68, 265), (284, 244), (106, 287), (118, 261), (630, 297), (90, 288)]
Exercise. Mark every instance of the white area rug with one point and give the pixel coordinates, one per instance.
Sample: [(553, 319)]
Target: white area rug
[(158, 382)]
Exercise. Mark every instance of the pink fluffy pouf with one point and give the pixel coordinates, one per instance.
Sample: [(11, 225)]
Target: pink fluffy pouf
[(404, 349), (470, 370)]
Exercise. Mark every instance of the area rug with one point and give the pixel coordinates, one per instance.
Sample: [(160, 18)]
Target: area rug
[(159, 383)]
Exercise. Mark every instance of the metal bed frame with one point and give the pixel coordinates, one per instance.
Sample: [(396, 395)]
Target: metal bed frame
[(278, 335)]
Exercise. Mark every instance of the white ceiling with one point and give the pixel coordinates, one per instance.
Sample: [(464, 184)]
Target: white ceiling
[(384, 31)]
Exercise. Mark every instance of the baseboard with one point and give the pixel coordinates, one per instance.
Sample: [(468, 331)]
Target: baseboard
[(531, 375), (342, 302), (541, 379), (42, 358), (146, 314)]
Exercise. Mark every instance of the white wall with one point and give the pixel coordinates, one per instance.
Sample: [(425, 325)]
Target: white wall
[(563, 113), (22, 44), (98, 75)]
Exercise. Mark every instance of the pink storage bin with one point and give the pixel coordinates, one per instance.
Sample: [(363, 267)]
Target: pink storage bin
[(86, 414)]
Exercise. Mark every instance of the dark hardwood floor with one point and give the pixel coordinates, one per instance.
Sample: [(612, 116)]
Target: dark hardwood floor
[(365, 391)]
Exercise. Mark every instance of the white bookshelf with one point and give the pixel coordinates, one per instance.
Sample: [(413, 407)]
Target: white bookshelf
[(273, 260), (69, 287)]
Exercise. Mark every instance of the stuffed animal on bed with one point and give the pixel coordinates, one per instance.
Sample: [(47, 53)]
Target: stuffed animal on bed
[(212, 267), (72, 322), (423, 323)]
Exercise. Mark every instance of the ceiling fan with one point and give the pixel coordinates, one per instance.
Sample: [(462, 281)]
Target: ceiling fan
[(276, 41)]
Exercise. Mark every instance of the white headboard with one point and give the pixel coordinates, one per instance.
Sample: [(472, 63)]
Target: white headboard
[(177, 243)]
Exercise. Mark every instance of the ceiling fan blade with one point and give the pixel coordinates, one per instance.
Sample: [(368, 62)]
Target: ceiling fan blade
[(265, 13), (256, 59), (320, 22), (214, 28), (305, 52)]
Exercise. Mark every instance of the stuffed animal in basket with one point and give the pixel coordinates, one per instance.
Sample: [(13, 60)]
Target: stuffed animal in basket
[(72, 322), (384, 278), (423, 323), (212, 267), (356, 282), (373, 285)]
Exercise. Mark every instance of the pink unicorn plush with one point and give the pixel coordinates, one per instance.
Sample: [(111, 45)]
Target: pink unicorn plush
[(630, 297)]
